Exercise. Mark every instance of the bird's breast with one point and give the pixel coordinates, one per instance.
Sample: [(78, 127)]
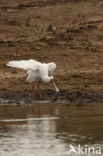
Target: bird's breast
[(33, 76)]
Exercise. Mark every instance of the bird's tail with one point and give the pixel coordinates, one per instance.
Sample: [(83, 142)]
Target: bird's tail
[(23, 64), (17, 64), (13, 64)]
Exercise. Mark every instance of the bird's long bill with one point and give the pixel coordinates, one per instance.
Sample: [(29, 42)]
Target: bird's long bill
[(56, 88)]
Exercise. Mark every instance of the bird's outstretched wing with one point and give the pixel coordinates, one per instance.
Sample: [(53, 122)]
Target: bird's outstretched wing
[(24, 64)]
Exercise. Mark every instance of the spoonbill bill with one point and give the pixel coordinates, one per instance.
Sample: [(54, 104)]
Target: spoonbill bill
[(36, 71)]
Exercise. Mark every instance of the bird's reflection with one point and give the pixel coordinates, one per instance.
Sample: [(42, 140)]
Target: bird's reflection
[(37, 109), (48, 130)]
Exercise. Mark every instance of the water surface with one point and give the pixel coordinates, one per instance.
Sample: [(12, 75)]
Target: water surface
[(49, 129)]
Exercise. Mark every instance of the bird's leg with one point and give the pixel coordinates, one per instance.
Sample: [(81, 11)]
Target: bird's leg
[(33, 90), (33, 109), (39, 90)]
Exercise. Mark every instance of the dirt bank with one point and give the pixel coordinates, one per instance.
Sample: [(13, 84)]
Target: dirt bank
[(67, 32)]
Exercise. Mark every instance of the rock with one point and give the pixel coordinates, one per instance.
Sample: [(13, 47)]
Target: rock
[(38, 48), (51, 28)]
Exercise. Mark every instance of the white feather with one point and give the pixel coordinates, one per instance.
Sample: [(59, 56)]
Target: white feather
[(51, 67), (36, 71), (24, 64)]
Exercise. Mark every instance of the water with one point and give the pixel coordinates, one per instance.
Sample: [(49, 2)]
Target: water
[(49, 129)]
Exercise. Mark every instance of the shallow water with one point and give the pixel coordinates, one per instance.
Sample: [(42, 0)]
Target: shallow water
[(51, 129)]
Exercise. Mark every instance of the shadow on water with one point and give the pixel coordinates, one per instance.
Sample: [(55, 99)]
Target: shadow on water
[(48, 130)]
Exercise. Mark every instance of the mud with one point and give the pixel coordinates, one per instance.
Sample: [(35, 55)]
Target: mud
[(67, 32)]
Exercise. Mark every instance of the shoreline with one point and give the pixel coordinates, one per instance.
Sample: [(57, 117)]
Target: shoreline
[(76, 96)]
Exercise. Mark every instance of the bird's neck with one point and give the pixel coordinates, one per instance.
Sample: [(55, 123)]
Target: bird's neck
[(44, 73), (46, 79)]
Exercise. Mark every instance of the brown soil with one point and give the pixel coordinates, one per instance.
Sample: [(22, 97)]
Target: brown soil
[(67, 32)]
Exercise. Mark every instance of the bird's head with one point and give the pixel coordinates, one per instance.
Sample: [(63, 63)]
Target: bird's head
[(51, 67)]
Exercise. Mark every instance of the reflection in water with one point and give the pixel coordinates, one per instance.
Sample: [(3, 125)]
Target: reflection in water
[(49, 129)]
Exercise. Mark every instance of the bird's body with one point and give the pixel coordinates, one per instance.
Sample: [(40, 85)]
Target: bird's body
[(40, 74), (36, 71)]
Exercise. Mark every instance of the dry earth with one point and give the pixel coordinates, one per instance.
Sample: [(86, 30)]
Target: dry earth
[(67, 32)]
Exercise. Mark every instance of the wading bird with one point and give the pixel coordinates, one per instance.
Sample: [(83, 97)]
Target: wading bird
[(36, 71)]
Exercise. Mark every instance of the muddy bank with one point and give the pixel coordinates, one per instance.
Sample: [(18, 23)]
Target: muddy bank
[(74, 96), (69, 33)]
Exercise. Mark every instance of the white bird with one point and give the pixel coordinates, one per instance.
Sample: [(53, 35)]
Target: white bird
[(36, 72)]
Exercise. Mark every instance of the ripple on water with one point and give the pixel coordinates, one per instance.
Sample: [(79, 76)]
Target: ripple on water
[(44, 133)]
